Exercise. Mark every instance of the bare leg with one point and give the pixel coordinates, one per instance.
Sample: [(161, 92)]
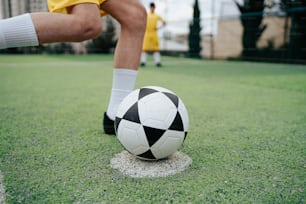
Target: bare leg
[(132, 17), (82, 23)]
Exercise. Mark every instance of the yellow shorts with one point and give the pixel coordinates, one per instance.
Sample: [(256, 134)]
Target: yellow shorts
[(150, 42), (60, 6)]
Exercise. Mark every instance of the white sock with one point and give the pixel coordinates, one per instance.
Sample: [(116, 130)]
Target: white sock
[(156, 56), (123, 83), (143, 57), (18, 31)]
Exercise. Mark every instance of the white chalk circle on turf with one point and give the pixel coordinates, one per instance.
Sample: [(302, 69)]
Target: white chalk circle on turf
[(2, 190), (133, 167)]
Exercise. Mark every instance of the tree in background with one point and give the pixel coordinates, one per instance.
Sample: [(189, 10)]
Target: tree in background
[(194, 37), (251, 20), (106, 42), (296, 10)]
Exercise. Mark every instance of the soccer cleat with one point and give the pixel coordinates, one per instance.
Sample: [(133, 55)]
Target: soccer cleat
[(158, 64), (142, 64), (108, 125)]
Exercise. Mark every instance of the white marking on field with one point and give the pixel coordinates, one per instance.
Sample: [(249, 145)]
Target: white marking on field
[(2, 191), (133, 167)]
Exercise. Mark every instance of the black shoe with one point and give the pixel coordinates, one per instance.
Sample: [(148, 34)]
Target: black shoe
[(158, 64), (142, 64), (108, 125)]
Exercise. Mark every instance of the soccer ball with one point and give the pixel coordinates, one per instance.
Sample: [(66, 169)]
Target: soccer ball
[(152, 123)]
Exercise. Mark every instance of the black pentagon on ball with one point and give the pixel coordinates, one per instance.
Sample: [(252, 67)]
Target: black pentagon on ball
[(132, 114), (145, 91), (173, 98), (177, 123), (153, 134), (147, 155)]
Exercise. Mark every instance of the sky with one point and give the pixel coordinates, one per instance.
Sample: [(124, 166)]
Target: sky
[(178, 13)]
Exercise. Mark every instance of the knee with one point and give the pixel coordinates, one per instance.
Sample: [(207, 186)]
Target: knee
[(87, 28), (141, 24), (136, 19), (142, 19)]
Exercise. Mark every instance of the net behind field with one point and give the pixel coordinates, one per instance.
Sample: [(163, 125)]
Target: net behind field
[(225, 42)]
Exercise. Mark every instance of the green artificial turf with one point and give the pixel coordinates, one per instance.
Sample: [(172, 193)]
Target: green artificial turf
[(247, 134)]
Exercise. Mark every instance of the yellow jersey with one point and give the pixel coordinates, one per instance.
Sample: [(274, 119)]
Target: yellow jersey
[(152, 22), (150, 41), (61, 6)]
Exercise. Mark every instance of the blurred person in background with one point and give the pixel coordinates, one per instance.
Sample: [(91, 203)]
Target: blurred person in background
[(151, 41)]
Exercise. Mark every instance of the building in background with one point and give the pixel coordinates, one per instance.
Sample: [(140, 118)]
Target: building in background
[(10, 8)]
